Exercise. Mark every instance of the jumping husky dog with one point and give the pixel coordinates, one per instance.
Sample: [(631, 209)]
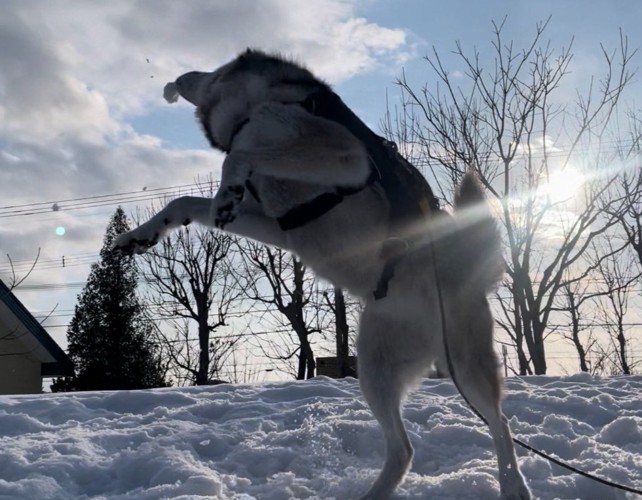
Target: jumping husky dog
[(303, 173)]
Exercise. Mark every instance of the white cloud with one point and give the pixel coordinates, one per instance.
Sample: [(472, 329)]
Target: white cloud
[(74, 71), (127, 50), (40, 95), (74, 74), (337, 45)]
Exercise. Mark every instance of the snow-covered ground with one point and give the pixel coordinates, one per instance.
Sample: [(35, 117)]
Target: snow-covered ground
[(313, 439)]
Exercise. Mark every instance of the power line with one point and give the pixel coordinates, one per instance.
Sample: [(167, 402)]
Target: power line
[(48, 204), (86, 202)]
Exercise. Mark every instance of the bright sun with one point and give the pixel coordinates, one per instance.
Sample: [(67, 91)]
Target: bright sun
[(563, 184)]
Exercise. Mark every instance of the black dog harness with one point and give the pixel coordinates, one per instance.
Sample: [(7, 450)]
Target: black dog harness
[(409, 196)]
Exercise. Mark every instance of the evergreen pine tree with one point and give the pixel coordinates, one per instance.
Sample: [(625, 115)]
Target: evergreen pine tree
[(109, 335)]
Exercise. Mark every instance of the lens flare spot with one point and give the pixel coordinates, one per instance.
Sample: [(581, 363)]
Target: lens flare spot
[(60, 231)]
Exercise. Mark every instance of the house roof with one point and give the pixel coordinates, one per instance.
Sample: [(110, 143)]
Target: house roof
[(55, 361)]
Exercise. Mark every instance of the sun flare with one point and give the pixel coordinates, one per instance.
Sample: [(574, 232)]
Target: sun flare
[(563, 185)]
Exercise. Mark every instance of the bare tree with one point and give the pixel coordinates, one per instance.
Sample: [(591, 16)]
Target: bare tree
[(239, 372), (344, 330), (191, 284), (628, 210), (16, 280), (617, 276), (513, 123), (573, 297), (288, 300)]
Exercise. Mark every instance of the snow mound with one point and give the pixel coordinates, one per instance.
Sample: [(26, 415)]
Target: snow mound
[(314, 439)]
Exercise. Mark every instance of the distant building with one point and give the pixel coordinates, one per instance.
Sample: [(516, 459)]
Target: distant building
[(27, 352), (329, 367)]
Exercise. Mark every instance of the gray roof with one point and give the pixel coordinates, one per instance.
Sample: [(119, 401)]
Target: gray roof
[(55, 361)]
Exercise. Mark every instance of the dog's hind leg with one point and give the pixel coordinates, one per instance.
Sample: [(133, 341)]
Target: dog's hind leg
[(476, 372), (386, 374)]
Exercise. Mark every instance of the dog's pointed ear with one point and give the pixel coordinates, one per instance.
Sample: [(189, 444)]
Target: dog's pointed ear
[(253, 52)]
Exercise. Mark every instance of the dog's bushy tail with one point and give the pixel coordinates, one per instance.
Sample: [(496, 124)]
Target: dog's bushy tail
[(478, 252)]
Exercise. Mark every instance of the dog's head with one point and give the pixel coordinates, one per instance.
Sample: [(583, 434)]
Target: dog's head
[(225, 97)]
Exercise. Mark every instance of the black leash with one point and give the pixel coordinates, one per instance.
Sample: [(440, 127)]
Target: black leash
[(451, 369)]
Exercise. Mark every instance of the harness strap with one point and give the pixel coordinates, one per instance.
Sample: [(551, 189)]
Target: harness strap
[(328, 105), (407, 191), (409, 196), (308, 211)]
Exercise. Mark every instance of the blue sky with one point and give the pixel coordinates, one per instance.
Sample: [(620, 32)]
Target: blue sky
[(82, 114), (428, 24)]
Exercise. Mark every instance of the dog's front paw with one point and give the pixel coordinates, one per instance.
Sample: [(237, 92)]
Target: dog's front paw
[(134, 242), (227, 201), (224, 215)]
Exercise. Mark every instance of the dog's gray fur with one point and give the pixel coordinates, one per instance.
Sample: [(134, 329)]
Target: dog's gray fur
[(291, 156)]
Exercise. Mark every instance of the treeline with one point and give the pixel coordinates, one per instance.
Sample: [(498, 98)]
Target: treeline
[(192, 309), (560, 159)]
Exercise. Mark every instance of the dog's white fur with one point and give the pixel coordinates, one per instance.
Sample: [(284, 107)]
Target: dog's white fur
[(291, 156)]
